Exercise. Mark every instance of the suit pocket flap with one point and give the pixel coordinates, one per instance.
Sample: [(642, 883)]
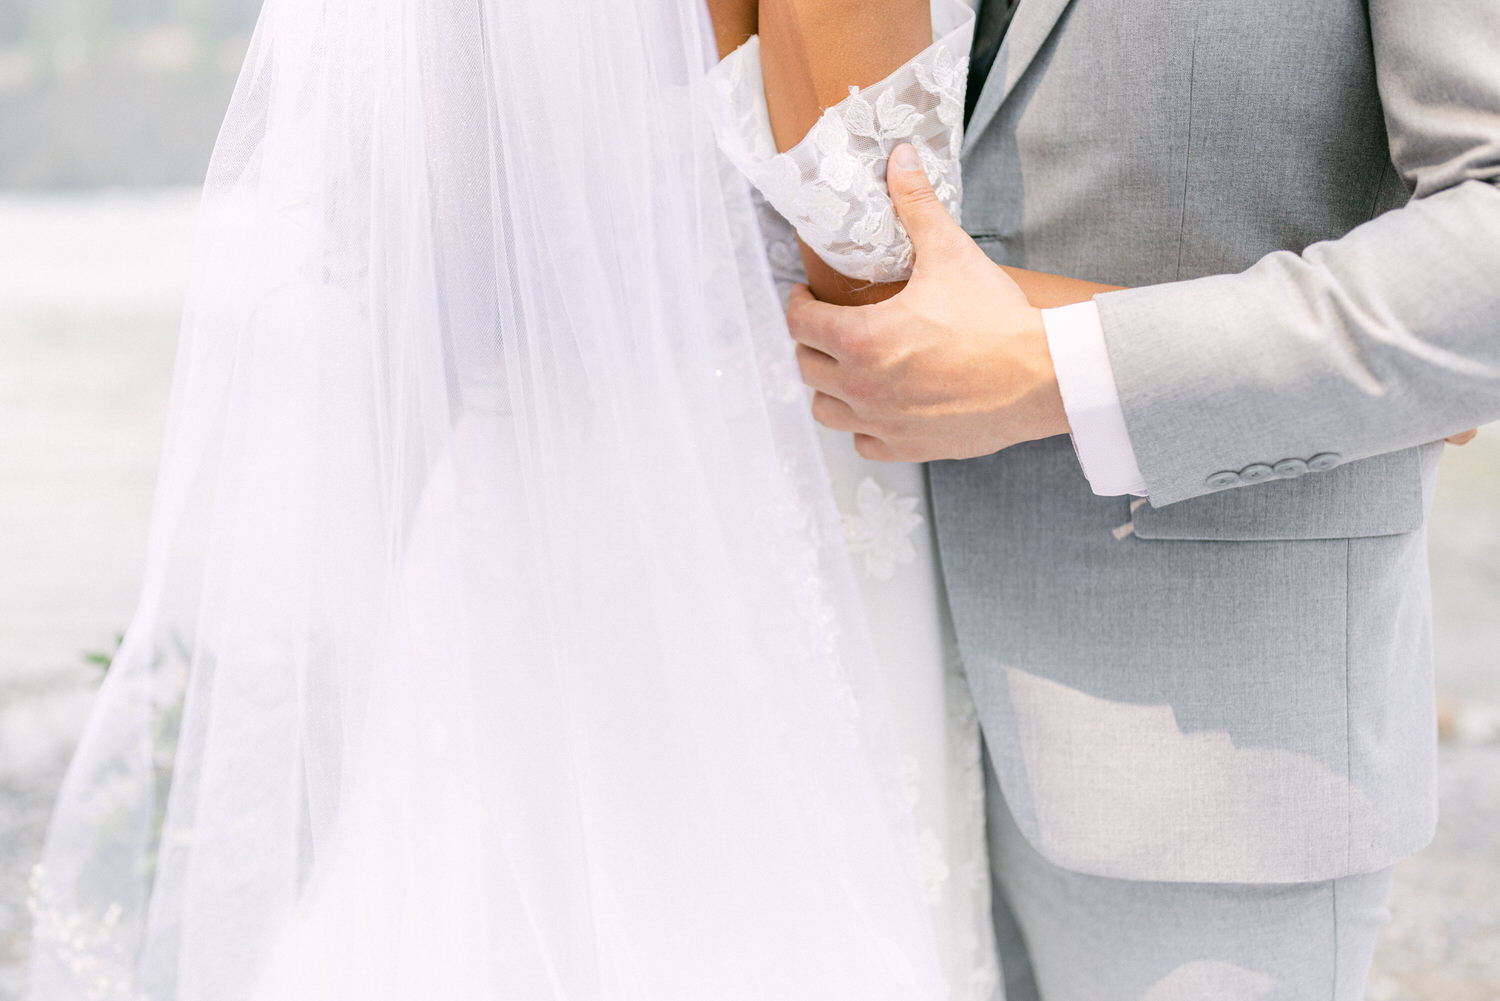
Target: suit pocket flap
[(1381, 495)]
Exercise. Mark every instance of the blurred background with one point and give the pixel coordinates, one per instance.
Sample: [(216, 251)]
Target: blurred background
[(104, 93), (108, 111)]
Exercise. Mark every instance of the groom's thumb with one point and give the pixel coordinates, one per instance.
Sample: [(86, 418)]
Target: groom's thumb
[(932, 230)]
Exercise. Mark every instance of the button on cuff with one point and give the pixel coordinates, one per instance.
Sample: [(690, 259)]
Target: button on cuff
[(1289, 468)]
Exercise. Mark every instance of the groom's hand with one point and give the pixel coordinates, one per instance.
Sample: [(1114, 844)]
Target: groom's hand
[(953, 366)]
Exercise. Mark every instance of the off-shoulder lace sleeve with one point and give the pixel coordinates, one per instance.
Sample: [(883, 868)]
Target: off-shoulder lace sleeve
[(831, 185)]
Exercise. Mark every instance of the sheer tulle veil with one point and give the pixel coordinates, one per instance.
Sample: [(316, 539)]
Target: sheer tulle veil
[(497, 639)]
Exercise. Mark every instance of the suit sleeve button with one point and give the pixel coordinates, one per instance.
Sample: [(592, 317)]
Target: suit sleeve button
[(1288, 468), (1222, 480), (1258, 473), (1324, 462)]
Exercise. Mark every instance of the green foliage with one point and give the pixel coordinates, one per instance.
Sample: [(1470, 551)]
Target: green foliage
[(181, 650), (103, 659)]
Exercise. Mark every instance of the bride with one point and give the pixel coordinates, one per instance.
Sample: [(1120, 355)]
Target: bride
[(504, 633)]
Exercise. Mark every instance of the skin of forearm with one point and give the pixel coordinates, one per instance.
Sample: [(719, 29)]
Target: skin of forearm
[(1046, 291), (734, 22), (1042, 290), (813, 51)]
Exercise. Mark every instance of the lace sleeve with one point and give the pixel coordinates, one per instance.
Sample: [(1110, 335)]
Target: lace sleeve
[(831, 185)]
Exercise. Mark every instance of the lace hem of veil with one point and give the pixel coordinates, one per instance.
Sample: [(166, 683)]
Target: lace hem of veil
[(831, 185)]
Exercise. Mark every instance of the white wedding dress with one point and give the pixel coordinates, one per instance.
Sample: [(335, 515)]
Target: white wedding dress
[(500, 637), (832, 185), (888, 529)]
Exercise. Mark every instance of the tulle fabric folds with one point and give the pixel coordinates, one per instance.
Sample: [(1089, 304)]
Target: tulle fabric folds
[(497, 640)]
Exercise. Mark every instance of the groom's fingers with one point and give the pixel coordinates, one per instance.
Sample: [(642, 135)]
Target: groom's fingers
[(870, 447), (834, 413), (820, 325), (819, 371)]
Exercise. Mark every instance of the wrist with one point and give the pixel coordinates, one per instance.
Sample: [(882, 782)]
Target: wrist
[(1050, 416)]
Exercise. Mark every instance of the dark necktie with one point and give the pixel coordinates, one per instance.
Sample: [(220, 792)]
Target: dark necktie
[(989, 31)]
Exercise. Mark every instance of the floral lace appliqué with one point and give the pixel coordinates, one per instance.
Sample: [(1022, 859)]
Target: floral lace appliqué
[(880, 528), (831, 185)]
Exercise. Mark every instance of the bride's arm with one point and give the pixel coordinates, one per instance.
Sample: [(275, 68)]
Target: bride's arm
[(811, 52), (734, 23), (1045, 291)]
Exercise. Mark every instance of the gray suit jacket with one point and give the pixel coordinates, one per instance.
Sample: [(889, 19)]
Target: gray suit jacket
[(1232, 682)]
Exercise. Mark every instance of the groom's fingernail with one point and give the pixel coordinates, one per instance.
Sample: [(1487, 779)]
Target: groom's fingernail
[(905, 157)]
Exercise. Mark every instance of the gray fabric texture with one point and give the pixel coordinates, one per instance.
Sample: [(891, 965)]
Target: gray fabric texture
[(1091, 938), (1232, 681)]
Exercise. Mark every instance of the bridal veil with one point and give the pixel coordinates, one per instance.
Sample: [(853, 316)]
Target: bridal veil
[(497, 639)]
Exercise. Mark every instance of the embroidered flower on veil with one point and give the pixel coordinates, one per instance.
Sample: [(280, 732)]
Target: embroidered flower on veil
[(879, 531)]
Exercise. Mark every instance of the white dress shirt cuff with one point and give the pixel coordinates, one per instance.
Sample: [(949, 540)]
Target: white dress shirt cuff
[(1075, 338)]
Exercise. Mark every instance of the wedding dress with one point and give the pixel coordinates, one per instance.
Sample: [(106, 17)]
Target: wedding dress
[(499, 636), (832, 186)]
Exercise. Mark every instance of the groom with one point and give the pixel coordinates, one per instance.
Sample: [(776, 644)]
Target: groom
[(1197, 632)]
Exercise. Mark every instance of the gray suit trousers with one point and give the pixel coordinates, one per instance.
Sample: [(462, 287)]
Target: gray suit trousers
[(1067, 936)]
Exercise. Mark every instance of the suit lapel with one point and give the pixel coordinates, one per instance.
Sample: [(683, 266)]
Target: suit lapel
[(1028, 32)]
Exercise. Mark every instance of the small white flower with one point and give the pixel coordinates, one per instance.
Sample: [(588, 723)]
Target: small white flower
[(815, 206), (944, 74), (897, 120), (837, 167), (779, 178), (950, 109), (858, 115), (829, 134), (876, 227), (880, 530)]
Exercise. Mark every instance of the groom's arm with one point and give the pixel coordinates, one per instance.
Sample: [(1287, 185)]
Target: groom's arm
[(1386, 338), (1379, 341)]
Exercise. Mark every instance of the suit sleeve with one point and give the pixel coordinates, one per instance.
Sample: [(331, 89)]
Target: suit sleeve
[(1386, 338)]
